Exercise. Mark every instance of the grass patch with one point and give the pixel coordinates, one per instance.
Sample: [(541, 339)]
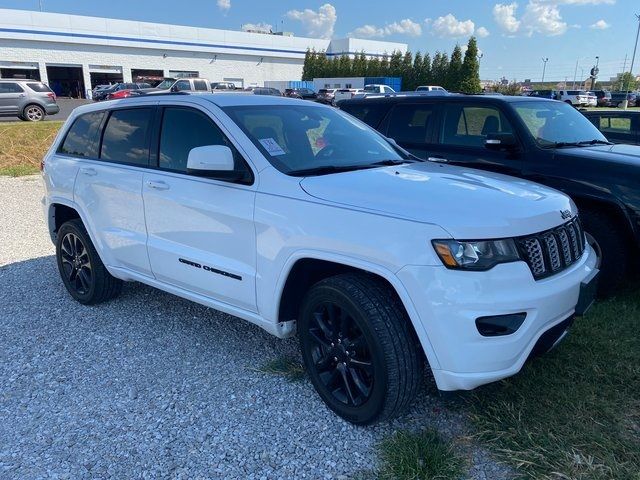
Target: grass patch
[(419, 456), (575, 412), (292, 370), (22, 146)]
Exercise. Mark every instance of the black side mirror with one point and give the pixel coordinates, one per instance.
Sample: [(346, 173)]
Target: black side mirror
[(174, 88), (500, 141)]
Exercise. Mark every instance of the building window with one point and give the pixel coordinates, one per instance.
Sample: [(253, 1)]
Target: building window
[(183, 74), (347, 85)]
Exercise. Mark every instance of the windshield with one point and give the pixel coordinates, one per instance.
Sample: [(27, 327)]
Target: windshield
[(166, 84), (298, 138), (551, 123)]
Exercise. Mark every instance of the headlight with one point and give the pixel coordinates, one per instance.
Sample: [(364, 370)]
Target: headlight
[(480, 255)]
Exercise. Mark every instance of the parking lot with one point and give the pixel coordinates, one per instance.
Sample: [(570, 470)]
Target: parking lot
[(66, 107), (152, 386)]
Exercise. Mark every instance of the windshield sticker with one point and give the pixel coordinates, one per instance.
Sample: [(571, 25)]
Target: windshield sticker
[(271, 146)]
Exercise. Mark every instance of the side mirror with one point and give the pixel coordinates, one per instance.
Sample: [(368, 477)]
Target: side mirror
[(212, 161), (500, 141), (174, 88)]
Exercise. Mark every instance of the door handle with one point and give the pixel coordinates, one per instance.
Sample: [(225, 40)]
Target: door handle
[(158, 185), (437, 159), (90, 172)]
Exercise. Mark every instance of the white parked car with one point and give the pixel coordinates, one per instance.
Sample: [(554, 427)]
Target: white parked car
[(577, 98), (301, 219), (347, 94), (430, 88), (592, 99), (374, 89)]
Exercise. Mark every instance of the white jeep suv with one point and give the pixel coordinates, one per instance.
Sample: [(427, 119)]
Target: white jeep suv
[(299, 218)]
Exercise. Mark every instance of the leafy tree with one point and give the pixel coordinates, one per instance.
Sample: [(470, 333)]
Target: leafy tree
[(359, 65), (440, 68), (425, 76), (406, 70), (383, 70), (373, 67), (322, 65), (395, 64), (471, 69), (306, 68), (454, 73), (627, 81), (416, 69), (344, 66)]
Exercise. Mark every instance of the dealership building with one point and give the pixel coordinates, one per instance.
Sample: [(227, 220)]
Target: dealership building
[(75, 53)]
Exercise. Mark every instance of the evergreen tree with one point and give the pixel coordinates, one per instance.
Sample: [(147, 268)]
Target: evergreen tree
[(454, 75), (322, 65), (359, 65), (344, 66), (406, 70), (306, 74), (395, 64), (471, 69), (425, 77), (373, 67), (383, 69), (416, 71), (440, 68)]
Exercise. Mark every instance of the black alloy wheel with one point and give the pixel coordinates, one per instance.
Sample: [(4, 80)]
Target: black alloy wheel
[(76, 264), (359, 347)]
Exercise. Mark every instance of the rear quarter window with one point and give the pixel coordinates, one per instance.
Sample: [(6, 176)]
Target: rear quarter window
[(38, 87), (370, 113), (82, 138)]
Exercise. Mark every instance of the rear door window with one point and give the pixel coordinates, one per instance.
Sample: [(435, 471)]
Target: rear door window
[(370, 113), (613, 124), (468, 126), (126, 136), (82, 138), (10, 87), (409, 124), (182, 85), (200, 85)]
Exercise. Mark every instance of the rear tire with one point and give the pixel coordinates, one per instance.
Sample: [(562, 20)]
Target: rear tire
[(83, 273), (33, 113), (613, 246), (359, 348)]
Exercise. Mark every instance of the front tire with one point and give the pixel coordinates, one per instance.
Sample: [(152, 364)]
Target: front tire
[(359, 348), (610, 243), (83, 273)]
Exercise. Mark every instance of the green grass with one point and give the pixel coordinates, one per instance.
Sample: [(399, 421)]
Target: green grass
[(292, 370), (419, 456), (23, 144), (573, 413)]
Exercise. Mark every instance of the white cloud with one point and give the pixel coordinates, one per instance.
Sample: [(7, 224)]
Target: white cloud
[(403, 27), (505, 17), (482, 32), (450, 26), (543, 17), (224, 5), (318, 24), (600, 25), (257, 27)]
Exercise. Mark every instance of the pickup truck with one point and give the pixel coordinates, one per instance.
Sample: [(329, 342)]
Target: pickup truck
[(541, 140), (194, 85)]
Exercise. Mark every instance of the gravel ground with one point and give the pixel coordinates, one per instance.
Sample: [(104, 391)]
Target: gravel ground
[(152, 386)]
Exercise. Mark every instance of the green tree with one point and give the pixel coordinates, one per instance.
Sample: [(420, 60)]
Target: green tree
[(383, 69), (454, 74), (425, 77), (627, 82), (373, 67), (406, 70), (322, 65), (440, 68), (306, 74), (471, 69), (395, 64), (344, 66), (416, 69), (359, 65)]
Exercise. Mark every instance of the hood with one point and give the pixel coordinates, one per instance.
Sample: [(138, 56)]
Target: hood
[(620, 154), (469, 204)]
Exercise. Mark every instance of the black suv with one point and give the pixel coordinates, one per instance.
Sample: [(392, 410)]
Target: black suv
[(545, 141)]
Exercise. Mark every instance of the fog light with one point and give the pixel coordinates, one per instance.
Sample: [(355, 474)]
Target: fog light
[(499, 325)]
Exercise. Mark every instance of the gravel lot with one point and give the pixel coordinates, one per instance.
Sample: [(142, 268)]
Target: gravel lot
[(152, 386)]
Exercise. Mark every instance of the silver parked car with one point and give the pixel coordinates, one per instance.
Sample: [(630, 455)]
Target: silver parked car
[(29, 100)]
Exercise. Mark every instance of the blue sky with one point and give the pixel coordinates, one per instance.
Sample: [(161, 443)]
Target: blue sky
[(513, 36)]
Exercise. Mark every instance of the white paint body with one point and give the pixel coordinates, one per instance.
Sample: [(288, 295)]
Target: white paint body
[(379, 220)]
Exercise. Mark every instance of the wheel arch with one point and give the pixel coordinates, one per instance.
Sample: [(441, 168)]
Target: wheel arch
[(617, 211), (307, 268)]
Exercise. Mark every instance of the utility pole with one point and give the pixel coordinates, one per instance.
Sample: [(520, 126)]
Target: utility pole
[(544, 67), (625, 102), (575, 74), (41, 4), (594, 73)]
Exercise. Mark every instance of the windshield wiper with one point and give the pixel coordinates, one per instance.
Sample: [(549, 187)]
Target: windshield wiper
[(595, 142), (583, 143), (392, 163), (327, 169)]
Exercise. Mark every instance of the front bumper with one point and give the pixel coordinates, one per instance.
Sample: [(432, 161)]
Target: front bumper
[(448, 303)]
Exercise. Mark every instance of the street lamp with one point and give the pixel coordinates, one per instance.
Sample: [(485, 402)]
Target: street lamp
[(544, 67), (625, 102)]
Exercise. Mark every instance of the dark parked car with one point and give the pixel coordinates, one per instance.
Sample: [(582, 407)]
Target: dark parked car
[(618, 97), (545, 141), (304, 93), (618, 127), (550, 94), (265, 91), (604, 97), (103, 94)]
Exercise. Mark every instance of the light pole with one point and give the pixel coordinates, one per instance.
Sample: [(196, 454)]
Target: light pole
[(41, 5), (594, 73), (625, 102), (544, 67)]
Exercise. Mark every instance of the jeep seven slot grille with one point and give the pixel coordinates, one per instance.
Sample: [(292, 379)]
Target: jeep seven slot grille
[(550, 252)]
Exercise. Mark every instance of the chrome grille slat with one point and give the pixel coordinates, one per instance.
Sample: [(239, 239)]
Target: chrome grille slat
[(552, 251)]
